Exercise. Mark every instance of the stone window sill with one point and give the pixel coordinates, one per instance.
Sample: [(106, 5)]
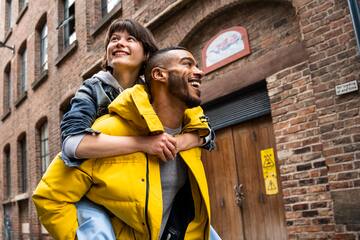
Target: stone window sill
[(5, 115), (21, 196), (41, 79), (22, 12), (21, 99), (103, 22), (18, 197), (66, 53)]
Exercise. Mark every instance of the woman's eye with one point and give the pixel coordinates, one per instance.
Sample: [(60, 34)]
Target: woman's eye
[(113, 39), (132, 39)]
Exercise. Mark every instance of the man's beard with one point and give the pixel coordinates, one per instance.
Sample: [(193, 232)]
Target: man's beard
[(179, 88)]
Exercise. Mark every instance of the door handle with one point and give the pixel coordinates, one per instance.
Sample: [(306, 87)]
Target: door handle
[(239, 195)]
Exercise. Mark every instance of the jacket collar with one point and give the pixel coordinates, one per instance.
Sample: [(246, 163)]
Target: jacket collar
[(134, 105)]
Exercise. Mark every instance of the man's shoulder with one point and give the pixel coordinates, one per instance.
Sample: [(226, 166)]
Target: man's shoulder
[(112, 124)]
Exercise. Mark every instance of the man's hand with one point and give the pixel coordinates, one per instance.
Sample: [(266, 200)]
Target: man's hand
[(186, 141), (161, 145)]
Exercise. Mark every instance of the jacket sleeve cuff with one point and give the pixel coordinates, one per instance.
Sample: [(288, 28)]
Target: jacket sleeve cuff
[(69, 147), (209, 141)]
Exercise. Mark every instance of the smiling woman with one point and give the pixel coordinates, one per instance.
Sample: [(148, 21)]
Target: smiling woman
[(125, 54)]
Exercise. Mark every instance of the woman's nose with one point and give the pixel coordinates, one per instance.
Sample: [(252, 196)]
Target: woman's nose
[(121, 42)]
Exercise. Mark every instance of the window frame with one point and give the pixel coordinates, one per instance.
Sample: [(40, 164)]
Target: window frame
[(44, 147), (105, 10), (8, 15), (7, 172), (22, 165), (22, 77), (43, 48), (69, 28), (22, 4), (7, 89)]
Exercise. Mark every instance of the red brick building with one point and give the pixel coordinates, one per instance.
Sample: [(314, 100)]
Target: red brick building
[(286, 111)]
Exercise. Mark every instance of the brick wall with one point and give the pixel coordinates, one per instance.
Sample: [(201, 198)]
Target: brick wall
[(317, 133)]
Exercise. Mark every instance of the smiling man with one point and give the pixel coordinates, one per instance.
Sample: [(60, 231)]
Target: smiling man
[(149, 198)]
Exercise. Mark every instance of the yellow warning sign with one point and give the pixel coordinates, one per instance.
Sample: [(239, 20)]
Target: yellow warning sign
[(269, 171)]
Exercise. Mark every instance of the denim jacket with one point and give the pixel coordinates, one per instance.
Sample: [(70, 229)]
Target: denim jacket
[(90, 102)]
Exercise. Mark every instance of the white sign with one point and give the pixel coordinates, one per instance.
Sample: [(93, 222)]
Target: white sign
[(225, 45), (346, 88)]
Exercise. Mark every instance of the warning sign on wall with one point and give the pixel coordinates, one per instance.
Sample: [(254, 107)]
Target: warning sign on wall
[(269, 171)]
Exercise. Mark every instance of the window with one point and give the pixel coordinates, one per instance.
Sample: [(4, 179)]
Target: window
[(7, 172), (23, 209), (43, 48), (22, 4), (22, 164), (44, 147), (22, 81), (7, 89), (69, 22), (8, 9), (107, 6), (8, 222)]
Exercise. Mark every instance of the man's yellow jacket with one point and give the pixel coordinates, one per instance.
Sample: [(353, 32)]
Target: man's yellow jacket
[(129, 186)]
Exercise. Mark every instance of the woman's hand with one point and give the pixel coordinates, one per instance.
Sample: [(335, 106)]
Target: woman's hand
[(161, 145)]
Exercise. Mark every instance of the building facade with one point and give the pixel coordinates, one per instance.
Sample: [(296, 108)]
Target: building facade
[(281, 90)]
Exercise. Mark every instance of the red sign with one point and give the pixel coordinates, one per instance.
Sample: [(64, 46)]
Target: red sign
[(225, 47)]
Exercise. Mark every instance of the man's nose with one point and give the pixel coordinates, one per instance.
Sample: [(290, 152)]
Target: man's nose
[(199, 72)]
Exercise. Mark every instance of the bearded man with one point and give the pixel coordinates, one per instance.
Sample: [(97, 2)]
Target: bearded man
[(148, 198)]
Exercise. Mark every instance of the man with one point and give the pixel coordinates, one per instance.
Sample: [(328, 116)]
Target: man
[(149, 199)]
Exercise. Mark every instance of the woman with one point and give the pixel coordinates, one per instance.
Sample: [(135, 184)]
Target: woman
[(127, 45)]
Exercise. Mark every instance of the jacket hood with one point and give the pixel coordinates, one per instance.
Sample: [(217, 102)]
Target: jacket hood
[(109, 79), (134, 105)]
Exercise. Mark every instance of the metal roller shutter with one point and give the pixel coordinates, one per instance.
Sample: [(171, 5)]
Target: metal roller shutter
[(239, 107)]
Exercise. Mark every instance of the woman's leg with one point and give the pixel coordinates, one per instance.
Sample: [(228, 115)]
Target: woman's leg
[(213, 234), (94, 222)]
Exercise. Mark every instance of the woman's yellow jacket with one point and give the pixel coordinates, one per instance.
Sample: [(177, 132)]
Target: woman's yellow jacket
[(128, 185)]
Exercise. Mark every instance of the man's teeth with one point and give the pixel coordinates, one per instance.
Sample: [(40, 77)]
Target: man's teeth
[(195, 84)]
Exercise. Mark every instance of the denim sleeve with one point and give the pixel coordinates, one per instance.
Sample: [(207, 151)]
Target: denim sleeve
[(82, 113), (80, 117)]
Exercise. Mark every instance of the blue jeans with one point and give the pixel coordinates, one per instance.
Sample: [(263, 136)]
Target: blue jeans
[(213, 234), (95, 224)]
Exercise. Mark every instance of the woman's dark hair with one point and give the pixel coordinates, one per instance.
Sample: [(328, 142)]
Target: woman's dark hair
[(135, 29)]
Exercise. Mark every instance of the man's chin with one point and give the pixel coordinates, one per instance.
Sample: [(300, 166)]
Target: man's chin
[(193, 103)]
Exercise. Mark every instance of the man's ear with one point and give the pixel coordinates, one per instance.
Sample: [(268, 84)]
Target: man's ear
[(159, 74)]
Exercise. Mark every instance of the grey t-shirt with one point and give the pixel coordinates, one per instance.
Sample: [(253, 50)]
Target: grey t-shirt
[(173, 177)]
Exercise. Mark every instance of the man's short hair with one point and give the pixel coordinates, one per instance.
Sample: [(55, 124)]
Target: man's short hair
[(158, 59)]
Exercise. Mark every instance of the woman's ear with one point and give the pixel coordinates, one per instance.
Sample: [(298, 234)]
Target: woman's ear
[(159, 74)]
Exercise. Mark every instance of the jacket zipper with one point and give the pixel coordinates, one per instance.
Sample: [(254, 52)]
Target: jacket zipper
[(147, 197)]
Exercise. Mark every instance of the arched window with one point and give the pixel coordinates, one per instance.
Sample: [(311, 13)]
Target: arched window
[(7, 90), (22, 164), (7, 172), (42, 145)]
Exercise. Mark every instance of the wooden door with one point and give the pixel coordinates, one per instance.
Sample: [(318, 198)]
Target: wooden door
[(236, 161)]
